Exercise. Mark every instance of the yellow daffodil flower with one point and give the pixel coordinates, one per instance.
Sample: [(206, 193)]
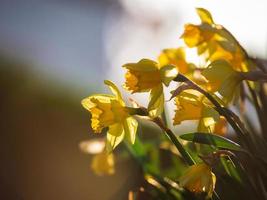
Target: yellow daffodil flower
[(110, 111), (147, 75), (223, 50), (222, 78), (103, 163), (191, 105), (195, 35), (214, 42), (175, 57), (199, 179)]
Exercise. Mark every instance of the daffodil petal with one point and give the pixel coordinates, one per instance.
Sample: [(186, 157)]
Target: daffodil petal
[(208, 119), (204, 15), (156, 102), (115, 129), (199, 179), (168, 73), (189, 107), (130, 127), (114, 136), (104, 98), (114, 90), (145, 65), (229, 87)]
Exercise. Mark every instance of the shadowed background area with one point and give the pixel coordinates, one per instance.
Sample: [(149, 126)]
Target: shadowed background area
[(53, 54)]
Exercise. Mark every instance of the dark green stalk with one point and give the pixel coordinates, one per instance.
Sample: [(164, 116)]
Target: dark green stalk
[(157, 120), (175, 141)]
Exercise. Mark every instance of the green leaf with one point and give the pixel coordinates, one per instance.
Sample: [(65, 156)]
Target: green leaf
[(231, 169), (211, 139)]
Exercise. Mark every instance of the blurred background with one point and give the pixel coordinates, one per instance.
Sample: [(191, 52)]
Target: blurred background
[(54, 53)]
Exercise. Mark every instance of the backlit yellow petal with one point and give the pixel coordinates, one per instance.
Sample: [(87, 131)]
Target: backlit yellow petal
[(168, 73), (130, 127), (204, 15), (113, 141), (199, 179), (192, 35), (115, 91), (87, 103), (187, 108), (144, 65), (142, 76), (156, 101), (174, 57), (115, 129)]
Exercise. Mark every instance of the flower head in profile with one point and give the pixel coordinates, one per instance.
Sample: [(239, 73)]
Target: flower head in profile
[(110, 111), (196, 35), (214, 42), (175, 56), (199, 179), (191, 105), (148, 76), (222, 78)]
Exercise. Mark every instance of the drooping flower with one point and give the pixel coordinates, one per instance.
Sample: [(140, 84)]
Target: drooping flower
[(191, 105), (195, 35), (103, 163), (222, 78), (199, 179), (231, 54), (148, 76), (174, 56), (110, 111), (214, 42)]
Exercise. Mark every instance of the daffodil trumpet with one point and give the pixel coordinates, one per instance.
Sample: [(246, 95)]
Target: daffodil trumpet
[(149, 76)]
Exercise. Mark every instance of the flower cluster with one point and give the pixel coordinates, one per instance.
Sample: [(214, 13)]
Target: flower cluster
[(203, 94)]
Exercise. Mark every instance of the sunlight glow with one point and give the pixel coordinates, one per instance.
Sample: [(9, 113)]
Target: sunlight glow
[(93, 146)]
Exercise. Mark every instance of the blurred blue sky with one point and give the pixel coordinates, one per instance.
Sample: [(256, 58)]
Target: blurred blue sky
[(61, 38), (85, 41)]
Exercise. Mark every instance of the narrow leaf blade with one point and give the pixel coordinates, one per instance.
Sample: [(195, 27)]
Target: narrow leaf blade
[(211, 139)]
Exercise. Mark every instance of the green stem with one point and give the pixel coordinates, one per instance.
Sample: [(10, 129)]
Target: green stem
[(143, 112), (189, 160), (257, 107)]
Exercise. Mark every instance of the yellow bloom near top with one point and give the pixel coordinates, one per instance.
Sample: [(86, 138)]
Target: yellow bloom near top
[(214, 42), (110, 111), (198, 179), (195, 35), (148, 76)]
